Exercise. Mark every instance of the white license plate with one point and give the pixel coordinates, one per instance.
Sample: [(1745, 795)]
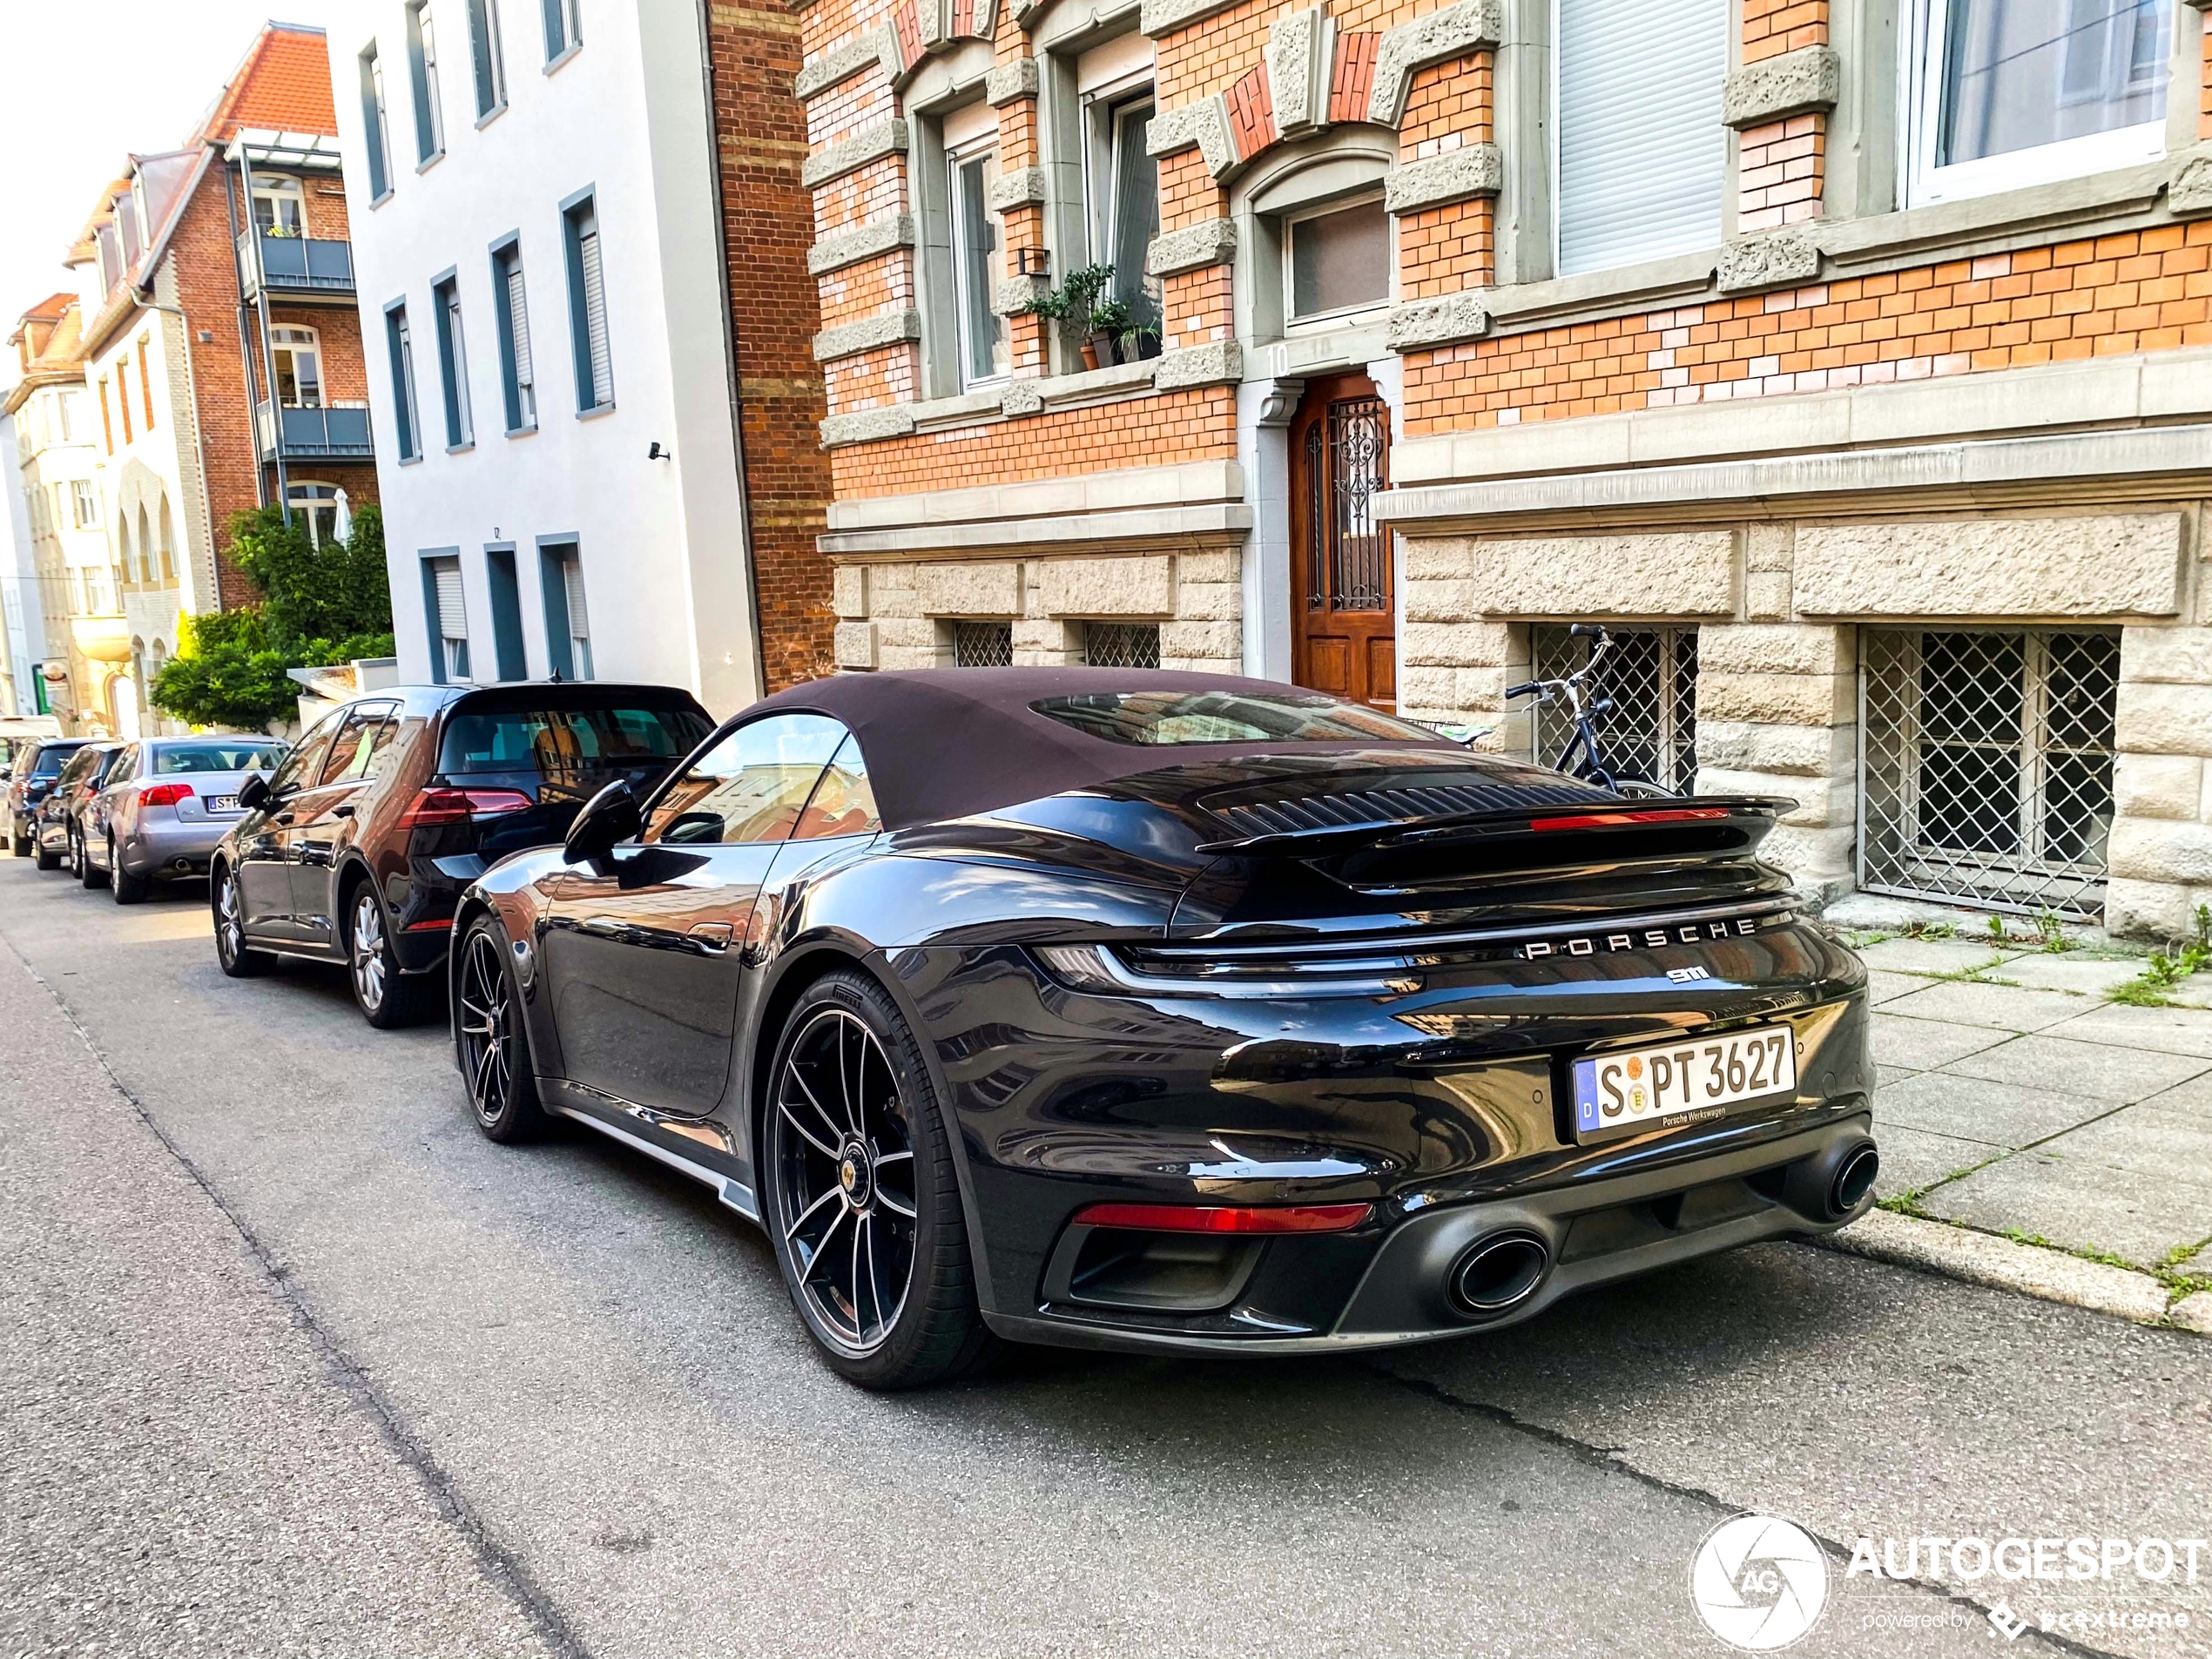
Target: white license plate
[(222, 803), (1630, 1088)]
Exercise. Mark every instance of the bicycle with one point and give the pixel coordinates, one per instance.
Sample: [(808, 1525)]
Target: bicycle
[(1587, 711)]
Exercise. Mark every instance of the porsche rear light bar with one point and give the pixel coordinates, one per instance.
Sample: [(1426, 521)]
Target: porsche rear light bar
[(439, 805), (1224, 1217), (1640, 815)]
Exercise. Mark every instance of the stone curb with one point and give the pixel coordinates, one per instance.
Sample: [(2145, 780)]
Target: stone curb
[(2028, 1270)]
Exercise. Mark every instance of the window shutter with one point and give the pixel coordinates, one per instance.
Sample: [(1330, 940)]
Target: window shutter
[(572, 581), (1643, 154), (453, 613), (518, 324), (595, 316)]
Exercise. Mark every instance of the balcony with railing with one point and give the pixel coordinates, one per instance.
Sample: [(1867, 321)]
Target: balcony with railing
[(336, 433), (295, 267)]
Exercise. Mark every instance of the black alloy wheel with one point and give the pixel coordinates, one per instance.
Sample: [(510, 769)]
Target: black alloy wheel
[(862, 1197), (386, 998), (232, 955), (493, 1048)]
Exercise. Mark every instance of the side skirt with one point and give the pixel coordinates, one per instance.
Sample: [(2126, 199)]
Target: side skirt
[(734, 1195)]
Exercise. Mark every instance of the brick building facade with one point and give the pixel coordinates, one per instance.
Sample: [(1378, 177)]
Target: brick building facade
[(1849, 358)]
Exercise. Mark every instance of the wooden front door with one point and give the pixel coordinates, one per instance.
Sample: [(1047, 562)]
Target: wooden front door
[(1342, 623)]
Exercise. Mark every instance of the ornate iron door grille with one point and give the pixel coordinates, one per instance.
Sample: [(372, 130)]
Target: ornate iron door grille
[(1651, 675), (1122, 645), (1985, 764), (1347, 557), (982, 644)]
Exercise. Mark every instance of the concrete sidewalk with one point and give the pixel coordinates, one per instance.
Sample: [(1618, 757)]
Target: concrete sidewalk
[(2018, 1099)]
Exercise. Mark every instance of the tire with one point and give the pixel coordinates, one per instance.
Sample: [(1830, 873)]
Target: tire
[(21, 846), (125, 887), (387, 998), (44, 859), (89, 877), (232, 955), (490, 1045), (865, 1193)]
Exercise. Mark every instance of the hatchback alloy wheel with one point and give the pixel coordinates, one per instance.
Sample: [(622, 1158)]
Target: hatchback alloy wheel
[(232, 952), (845, 1165), (368, 952)]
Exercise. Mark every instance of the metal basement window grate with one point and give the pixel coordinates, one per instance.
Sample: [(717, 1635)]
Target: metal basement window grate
[(1985, 767), (1651, 675), (1122, 645), (982, 644)]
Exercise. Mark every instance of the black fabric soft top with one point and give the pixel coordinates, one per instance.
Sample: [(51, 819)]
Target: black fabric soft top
[(944, 742)]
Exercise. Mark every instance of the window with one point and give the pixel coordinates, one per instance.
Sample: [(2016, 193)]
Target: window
[(403, 405), (449, 619), (145, 386), (357, 742), (1641, 154), (753, 786), (1122, 193), (122, 396), (453, 363), (296, 355), (1650, 675), (517, 379), (1340, 261), (975, 243), (314, 506), (2012, 92), (422, 65), (595, 380), (84, 502), (168, 549), (573, 747), (305, 762), (509, 660), (280, 209), (563, 29), (145, 548), (375, 125), (567, 622), (982, 644), (485, 57), (123, 546), (218, 754), (1986, 771), (1122, 645), (1290, 716)]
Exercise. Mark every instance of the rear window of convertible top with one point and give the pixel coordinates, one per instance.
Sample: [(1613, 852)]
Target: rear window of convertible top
[(552, 741), (1227, 717)]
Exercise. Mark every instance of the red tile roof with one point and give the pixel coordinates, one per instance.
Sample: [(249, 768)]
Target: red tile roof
[(283, 82)]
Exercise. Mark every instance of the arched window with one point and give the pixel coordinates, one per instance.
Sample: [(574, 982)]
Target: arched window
[(298, 355), (123, 569), (157, 659), (168, 545), (146, 549), (315, 505)]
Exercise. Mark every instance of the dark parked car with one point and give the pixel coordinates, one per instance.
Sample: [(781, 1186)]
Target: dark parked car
[(162, 805), (61, 813), (356, 849), (38, 764), (1163, 1011)]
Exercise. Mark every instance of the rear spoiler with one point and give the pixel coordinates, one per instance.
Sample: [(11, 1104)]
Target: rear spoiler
[(1605, 818)]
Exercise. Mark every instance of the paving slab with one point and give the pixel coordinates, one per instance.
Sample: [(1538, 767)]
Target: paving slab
[(1884, 1076), (2091, 975), (2193, 1097), (2161, 1144), (1914, 1160), (1923, 1045), (2003, 1007), (2185, 1031), (2079, 1204), (1883, 986), (1934, 955), (2096, 1070), (1977, 1109)]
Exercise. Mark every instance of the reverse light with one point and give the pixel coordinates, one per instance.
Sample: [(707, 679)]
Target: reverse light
[(1642, 815), (164, 794), (1225, 1218), (438, 806)]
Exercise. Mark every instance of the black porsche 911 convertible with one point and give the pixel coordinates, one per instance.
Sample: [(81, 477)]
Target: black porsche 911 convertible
[(1171, 1011)]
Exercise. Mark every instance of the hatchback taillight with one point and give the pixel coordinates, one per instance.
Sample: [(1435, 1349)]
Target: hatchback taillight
[(438, 806), (164, 794)]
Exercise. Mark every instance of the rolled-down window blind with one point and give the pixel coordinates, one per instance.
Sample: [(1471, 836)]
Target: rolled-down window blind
[(453, 613), (1642, 155)]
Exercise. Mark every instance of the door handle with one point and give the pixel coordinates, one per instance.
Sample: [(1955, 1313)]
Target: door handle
[(713, 937)]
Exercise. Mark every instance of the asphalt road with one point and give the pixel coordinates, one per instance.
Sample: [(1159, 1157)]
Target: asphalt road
[(293, 1361)]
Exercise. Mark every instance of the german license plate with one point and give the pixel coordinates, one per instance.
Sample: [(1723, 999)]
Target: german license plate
[(1630, 1088), (222, 803)]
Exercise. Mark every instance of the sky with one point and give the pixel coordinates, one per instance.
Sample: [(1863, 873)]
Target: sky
[(82, 83)]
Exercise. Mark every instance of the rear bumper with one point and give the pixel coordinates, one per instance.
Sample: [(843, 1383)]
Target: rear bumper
[(178, 847)]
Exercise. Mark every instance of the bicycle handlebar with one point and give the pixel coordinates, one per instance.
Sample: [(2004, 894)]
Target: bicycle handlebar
[(1524, 688)]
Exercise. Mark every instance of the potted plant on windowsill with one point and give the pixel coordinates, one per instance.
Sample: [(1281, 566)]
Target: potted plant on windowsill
[(1109, 320), (1141, 343), (1072, 302)]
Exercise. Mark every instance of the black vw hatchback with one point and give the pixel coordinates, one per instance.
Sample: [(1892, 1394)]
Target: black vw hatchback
[(357, 847), (1169, 1011)]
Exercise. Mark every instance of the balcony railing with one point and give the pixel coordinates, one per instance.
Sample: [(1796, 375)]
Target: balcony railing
[(295, 263), (336, 434)]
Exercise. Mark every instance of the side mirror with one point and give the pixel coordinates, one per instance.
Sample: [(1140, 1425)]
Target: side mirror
[(252, 792), (609, 818)]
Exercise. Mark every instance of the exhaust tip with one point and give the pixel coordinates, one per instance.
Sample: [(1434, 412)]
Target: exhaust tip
[(1498, 1273), (1854, 1179)]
